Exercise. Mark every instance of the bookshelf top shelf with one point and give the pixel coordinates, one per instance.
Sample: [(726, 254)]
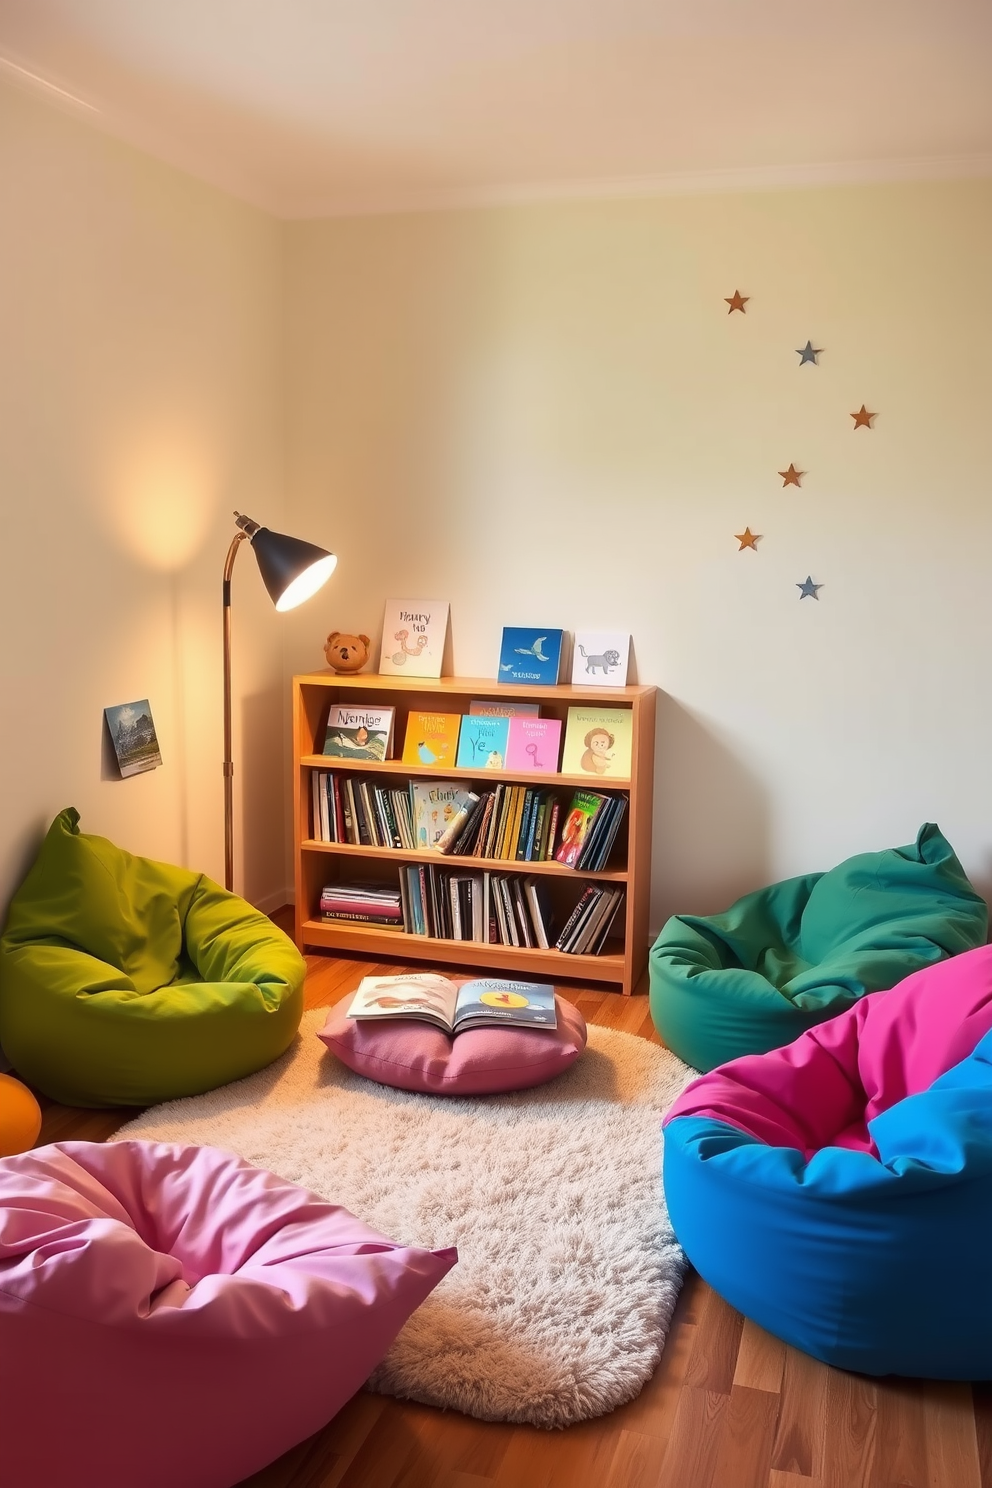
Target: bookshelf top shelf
[(482, 687)]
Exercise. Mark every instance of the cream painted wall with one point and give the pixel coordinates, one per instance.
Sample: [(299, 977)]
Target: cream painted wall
[(547, 414), (140, 401)]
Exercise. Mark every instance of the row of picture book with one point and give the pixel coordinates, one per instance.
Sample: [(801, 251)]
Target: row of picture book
[(491, 736), (513, 823), (508, 909), (456, 1004)]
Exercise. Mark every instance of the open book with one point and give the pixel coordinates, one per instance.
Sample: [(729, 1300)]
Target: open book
[(483, 1002)]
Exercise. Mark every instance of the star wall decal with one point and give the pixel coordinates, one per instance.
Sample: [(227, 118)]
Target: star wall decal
[(748, 539), (862, 419), (807, 590), (792, 476), (737, 302), (808, 353)]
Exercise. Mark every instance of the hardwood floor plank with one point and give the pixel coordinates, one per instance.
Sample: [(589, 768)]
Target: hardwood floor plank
[(714, 1355), (778, 1479), (746, 1439), (579, 1457), (653, 1411), (951, 1437), (691, 1455), (900, 1436), (851, 1424), (760, 1360), (800, 1435), (636, 1462), (981, 1395)]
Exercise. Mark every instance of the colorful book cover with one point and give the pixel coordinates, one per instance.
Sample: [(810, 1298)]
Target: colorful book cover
[(358, 733), (585, 807), (482, 743), (413, 633), (434, 804), (530, 655), (600, 658), (534, 744), (431, 739), (486, 708), (598, 742)]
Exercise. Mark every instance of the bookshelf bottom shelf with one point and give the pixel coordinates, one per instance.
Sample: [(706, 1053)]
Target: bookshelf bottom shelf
[(516, 960)]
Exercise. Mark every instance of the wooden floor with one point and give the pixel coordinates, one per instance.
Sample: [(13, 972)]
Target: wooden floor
[(729, 1406)]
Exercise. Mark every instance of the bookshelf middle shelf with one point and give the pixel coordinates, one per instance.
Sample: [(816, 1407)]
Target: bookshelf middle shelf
[(462, 863)]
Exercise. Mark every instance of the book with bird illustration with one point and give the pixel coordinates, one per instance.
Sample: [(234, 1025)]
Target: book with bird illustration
[(431, 739), (455, 1006), (530, 655)]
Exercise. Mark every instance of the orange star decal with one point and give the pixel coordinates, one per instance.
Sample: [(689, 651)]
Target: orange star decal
[(747, 539), (791, 477), (737, 301), (862, 419)]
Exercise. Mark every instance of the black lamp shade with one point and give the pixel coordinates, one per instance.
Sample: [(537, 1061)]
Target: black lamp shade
[(284, 561)]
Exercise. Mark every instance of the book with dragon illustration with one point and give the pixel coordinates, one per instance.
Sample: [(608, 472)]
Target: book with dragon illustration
[(532, 656)]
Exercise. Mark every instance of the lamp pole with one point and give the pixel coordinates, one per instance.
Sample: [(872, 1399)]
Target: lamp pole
[(291, 571)]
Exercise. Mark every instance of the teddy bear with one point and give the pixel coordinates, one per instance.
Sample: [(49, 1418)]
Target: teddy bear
[(346, 653)]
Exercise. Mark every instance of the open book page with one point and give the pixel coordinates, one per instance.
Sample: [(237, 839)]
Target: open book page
[(488, 1001), (426, 996)]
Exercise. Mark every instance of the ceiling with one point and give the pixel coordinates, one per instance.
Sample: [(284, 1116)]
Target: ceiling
[(320, 107)]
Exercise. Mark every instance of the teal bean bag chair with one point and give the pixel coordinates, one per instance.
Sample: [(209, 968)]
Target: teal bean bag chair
[(124, 982), (789, 956)]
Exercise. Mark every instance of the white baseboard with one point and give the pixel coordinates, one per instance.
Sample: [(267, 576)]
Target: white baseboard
[(276, 900)]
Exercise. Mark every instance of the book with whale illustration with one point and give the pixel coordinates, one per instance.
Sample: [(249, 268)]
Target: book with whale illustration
[(482, 1002), (530, 655)]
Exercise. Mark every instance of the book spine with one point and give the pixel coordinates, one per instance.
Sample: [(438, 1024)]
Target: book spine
[(549, 846), (525, 819), (389, 922), (338, 809), (325, 829), (315, 804), (453, 830), (577, 914)]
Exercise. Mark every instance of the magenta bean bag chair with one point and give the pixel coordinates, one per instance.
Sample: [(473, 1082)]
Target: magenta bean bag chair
[(839, 1191), (171, 1317)]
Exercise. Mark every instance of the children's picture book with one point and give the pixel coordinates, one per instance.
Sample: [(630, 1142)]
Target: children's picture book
[(598, 741), (456, 1005), (434, 805), (585, 807), (431, 739), (530, 655), (534, 744), (413, 632), (600, 657), (134, 737), (482, 743), (488, 708), (359, 733)]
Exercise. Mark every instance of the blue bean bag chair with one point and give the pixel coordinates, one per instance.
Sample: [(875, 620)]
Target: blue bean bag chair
[(839, 1192), (785, 958)]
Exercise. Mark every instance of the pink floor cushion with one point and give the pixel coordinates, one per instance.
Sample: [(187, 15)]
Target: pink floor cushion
[(481, 1061), (171, 1317), (826, 1087)]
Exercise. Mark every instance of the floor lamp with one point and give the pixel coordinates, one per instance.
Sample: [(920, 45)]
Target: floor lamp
[(291, 571)]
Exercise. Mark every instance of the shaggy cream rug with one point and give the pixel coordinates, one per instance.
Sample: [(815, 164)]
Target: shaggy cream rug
[(568, 1269)]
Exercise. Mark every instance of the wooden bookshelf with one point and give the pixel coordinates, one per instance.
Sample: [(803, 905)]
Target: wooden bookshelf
[(316, 863)]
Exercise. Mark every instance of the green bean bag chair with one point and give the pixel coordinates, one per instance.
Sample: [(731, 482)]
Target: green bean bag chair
[(125, 982), (790, 956)]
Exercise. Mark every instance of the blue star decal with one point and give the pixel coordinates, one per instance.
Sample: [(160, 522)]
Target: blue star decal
[(808, 589), (808, 353)]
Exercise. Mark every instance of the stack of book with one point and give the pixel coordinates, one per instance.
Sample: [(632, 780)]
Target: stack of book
[(490, 908), (587, 927), (369, 903), (590, 829), (513, 822)]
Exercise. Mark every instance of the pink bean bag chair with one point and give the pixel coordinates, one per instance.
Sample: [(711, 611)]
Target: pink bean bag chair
[(171, 1317)]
